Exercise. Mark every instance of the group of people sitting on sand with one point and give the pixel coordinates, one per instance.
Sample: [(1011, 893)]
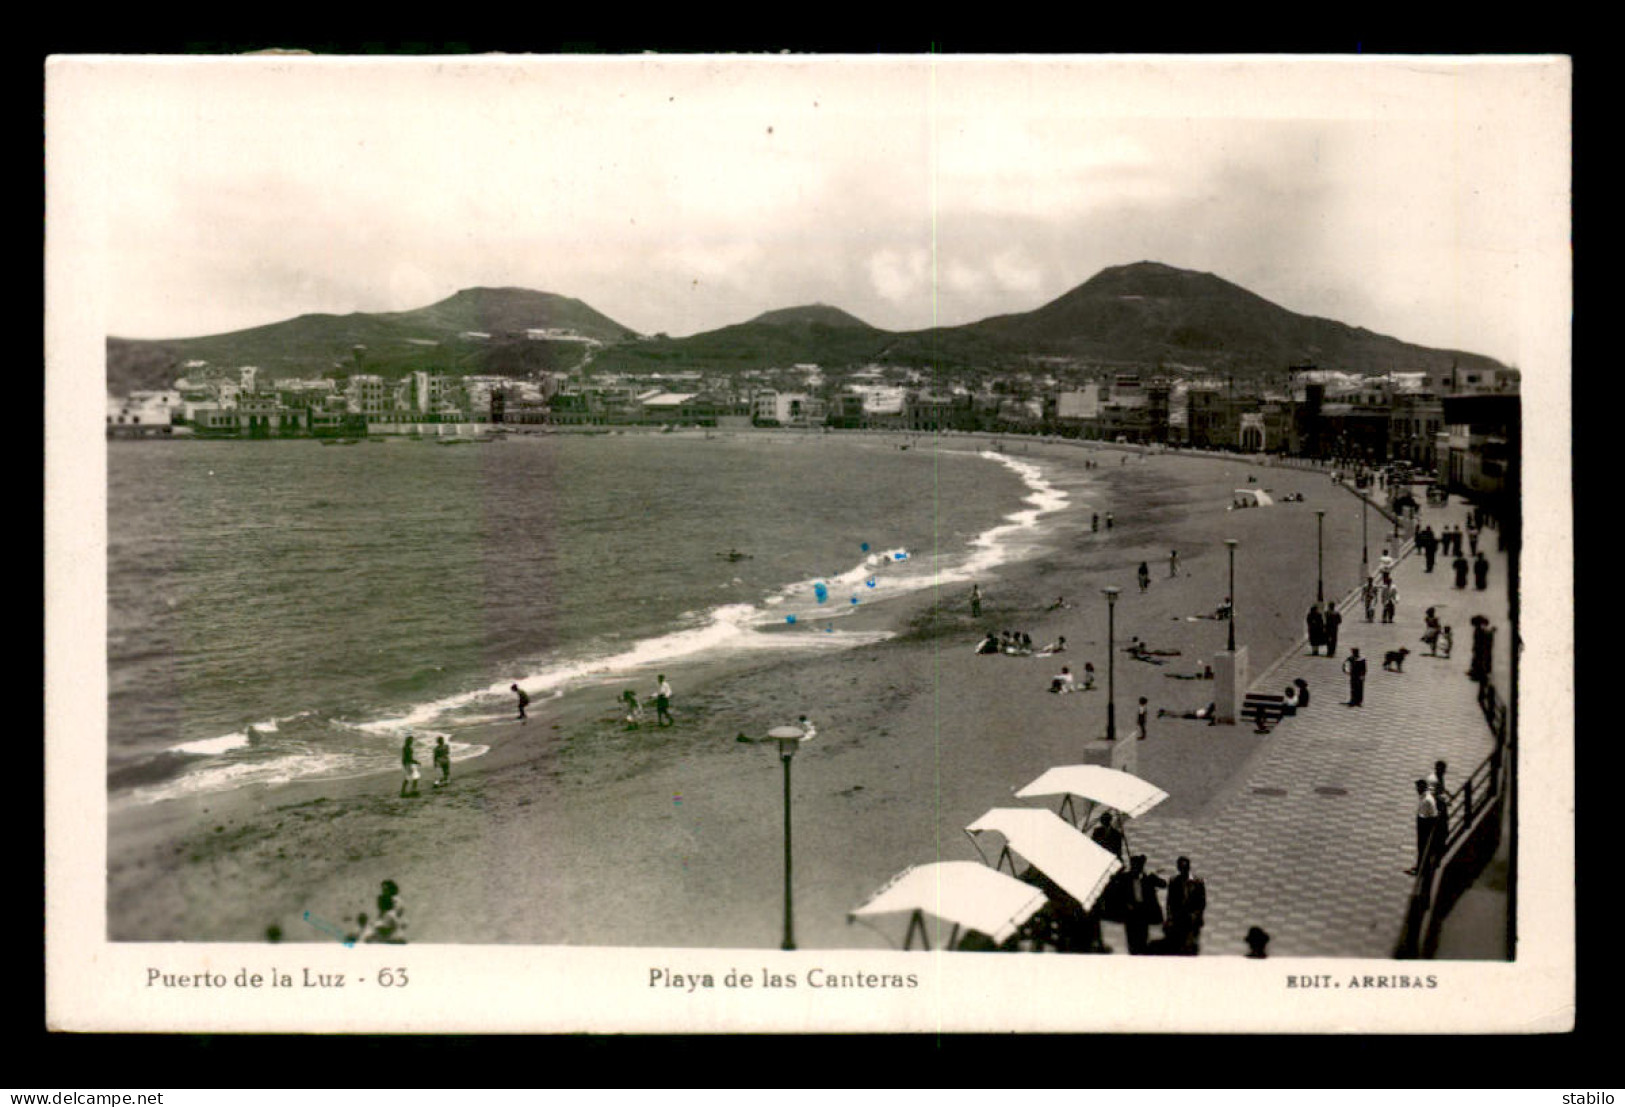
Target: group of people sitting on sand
[(1063, 681), (1017, 644)]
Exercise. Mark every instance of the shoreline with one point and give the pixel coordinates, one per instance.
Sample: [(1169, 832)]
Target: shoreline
[(571, 826)]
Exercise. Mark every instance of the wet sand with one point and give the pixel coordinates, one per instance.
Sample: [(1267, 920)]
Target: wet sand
[(574, 830)]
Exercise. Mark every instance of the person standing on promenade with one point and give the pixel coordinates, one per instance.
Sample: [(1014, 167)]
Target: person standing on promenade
[(1472, 534), (1385, 563), (1187, 900), (409, 769), (1483, 649), (1317, 629), (1427, 821), (1441, 798), (1258, 941), (1173, 564), (663, 701), (976, 601), (1108, 837), (524, 700), (1368, 596), (1145, 576), (1390, 598), (1460, 566), (1354, 666), (1144, 910), (1303, 693), (1481, 571), (1430, 547), (1140, 719), (1332, 621)]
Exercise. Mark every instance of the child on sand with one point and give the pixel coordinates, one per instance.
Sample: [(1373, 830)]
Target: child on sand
[(634, 710)]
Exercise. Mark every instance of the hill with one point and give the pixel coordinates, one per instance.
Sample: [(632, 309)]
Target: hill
[(510, 331)]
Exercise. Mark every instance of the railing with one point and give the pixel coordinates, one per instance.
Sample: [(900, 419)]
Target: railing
[(1471, 812)]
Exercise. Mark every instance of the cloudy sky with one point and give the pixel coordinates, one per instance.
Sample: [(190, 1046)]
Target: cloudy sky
[(1422, 199)]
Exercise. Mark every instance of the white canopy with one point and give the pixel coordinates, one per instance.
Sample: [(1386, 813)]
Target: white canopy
[(962, 892), (1259, 496), (1054, 847), (1114, 788)]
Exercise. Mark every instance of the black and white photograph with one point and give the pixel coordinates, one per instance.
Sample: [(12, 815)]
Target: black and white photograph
[(858, 543)]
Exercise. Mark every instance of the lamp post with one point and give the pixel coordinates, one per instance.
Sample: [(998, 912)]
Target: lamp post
[(1230, 543), (1111, 662), (1365, 556), (1320, 560), (788, 738)]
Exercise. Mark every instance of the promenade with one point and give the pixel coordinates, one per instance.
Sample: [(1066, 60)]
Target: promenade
[(1313, 839)]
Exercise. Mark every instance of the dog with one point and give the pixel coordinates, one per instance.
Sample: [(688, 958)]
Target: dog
[(1394, 660)]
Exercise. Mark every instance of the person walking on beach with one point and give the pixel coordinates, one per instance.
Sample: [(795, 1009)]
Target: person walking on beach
[(1140, 717), (663, 701), (442, 761), (409, 769), (1317, 629), (1481, 571), (975, 601), (1427, 820), (524, 700), (1354, 666), (1332, 621), (1173, 564), (1108, 520), (1145, 576)]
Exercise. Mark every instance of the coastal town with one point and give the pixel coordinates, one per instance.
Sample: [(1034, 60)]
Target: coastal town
[(1451, 421)]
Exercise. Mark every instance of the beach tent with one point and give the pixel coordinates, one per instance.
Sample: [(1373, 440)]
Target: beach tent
[(963, 893), (1051, 845), (1258, 496), (1113, 788)]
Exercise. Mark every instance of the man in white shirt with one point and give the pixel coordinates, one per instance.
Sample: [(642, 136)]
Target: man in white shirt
[(663, 701), (1427, 819)]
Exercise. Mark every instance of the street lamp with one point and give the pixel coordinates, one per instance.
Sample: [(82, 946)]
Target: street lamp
[(788, 738), (1320, 583), (1365, 557), (1231, 543), (1111, 661)]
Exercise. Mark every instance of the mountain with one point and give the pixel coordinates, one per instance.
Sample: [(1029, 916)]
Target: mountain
[(1142, 315), (1148, 313), (510, 331)]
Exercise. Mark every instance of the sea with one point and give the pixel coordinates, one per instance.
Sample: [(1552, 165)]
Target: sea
[(285, 610)]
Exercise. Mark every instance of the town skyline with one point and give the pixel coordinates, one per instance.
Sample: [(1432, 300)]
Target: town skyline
[(680, 195)]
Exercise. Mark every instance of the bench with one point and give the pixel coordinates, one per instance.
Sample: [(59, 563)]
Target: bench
[(1264, 709)]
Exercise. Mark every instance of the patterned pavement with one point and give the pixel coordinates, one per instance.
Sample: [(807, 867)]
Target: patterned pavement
[(1313, 842)]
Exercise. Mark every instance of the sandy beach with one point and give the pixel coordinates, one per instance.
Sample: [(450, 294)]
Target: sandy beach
[(573, 830)]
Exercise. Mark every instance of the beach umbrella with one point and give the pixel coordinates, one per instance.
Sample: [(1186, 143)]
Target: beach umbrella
[(1051, 845), (963, 893), (1113, 788)]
